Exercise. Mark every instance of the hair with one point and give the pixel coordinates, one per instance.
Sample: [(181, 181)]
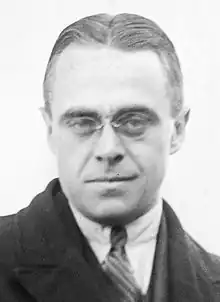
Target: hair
[(126, 32)]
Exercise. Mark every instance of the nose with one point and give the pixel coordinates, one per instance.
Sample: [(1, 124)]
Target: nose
[(109, 148)]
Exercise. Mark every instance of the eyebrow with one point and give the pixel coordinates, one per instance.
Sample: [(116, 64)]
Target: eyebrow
[(137, 108), (72, 113)]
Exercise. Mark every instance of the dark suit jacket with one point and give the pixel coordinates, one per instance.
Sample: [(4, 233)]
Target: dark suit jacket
[(46, 258)]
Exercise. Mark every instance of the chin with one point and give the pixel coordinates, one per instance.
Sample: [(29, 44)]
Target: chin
[(113, 215)]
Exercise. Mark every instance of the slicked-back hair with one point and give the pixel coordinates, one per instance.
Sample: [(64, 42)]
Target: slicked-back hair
[(125, 32)]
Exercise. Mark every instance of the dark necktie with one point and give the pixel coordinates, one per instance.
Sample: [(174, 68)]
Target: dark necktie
[(118, 268)]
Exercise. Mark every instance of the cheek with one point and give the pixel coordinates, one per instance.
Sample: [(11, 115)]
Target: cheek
[(72, 154), (151, 153)]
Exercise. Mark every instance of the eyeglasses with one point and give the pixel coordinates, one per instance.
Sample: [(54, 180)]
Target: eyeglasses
[(129, 124)]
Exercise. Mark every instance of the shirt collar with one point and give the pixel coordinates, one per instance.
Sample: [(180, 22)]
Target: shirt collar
[(143, 229)]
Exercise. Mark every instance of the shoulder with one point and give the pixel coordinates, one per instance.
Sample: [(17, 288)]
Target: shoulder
[(40, 231), (205, 265), (208, 262), (9, 238), (25, 225), (10, 291)]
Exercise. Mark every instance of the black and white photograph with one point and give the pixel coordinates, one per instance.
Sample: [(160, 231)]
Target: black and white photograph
[(110, 151)]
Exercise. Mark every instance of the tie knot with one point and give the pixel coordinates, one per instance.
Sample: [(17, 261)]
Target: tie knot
[(118, 237)]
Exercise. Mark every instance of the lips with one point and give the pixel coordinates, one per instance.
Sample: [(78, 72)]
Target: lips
[(112, 179)]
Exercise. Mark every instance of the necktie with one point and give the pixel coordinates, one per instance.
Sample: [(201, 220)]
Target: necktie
[(118, 268)]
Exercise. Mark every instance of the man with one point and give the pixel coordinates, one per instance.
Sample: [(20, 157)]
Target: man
[(114, 113)]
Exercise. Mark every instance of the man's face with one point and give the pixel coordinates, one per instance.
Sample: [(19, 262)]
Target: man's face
[(110, 175)]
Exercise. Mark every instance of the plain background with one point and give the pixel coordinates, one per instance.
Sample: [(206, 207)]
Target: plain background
[(28, 30)]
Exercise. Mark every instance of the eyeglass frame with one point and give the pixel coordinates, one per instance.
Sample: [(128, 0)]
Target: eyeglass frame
[(148, 114)]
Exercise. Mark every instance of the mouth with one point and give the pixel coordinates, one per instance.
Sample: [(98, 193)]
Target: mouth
[(112, 179)]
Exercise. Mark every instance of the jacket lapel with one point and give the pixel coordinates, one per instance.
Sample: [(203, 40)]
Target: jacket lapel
[(73, 280), (158, 288), (188, 281), (177, 274), (58, 263)]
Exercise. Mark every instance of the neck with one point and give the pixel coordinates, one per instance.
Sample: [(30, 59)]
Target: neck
[(122, 219)]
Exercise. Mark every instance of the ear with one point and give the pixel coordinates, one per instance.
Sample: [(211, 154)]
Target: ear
[(179, 130), (49, 126)]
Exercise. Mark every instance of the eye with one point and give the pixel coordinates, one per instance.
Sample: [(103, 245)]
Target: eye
[(134, 123), (83, 125)]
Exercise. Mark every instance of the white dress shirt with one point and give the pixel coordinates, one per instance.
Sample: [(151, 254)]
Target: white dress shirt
[(140, 247)]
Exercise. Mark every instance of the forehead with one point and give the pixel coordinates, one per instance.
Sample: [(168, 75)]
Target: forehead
[(106, 78)]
